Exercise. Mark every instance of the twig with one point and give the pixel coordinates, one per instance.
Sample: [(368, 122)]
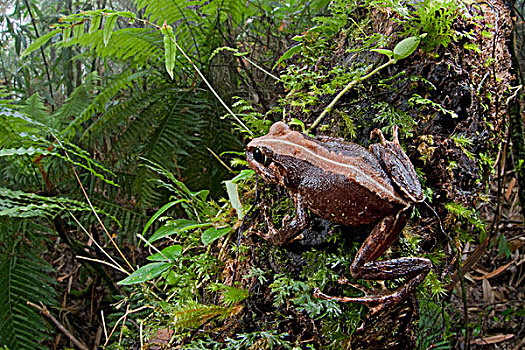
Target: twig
[(43, 55), (220, 161), (123, 317), (347, 87), (91, 205), (44, 311), (115, 264), (103, 262)]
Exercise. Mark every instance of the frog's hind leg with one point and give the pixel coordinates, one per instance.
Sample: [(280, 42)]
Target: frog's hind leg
[(397, 164), (365, 266)]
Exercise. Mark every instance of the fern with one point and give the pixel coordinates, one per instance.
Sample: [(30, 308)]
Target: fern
[(103, 127), (34, 107), (19, 204), (131, 219), (194, 315), (99, 104), (79, 99), (140, 45), (171, 127), (23, 277)]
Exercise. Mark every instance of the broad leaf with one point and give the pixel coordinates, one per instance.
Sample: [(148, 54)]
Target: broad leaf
[(146, 273), (233, 196), (288, 54), (159, 213), (213, 234), (407, 46), (172, 253), (244, 174), (386, 52), (35, 45), (170, 49), (177, 226)]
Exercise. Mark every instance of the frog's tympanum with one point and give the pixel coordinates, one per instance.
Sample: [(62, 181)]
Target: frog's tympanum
[(347, 184)]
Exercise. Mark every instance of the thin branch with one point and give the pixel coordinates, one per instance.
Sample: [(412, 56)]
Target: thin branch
[(44, 311), (43, 56), (347, 87)]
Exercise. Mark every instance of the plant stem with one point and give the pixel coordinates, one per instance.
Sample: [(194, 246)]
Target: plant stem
[(202, 76), (43, 55), (210, 87), (328, 108)]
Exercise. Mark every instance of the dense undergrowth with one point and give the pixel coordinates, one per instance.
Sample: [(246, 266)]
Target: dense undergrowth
[(150, 128)]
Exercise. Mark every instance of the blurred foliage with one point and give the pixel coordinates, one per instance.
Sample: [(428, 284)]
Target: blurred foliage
[(110, 134)]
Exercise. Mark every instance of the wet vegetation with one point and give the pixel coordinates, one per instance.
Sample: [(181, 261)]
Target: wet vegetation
[(129, 218)]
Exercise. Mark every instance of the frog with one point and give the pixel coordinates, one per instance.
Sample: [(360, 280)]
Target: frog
[(346, 184)]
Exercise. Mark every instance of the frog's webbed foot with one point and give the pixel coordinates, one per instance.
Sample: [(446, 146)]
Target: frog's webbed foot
[(365, 266), (291, 227), (377, 303)]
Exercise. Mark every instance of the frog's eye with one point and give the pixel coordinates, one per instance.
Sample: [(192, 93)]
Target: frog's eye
[(259, 156)]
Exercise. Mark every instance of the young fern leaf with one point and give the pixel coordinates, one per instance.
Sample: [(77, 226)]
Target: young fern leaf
[(95, 23), (170, 50), (109, 25)]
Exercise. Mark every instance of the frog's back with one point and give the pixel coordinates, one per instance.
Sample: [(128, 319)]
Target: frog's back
[(347, 162), (340, 181), (348, 198)]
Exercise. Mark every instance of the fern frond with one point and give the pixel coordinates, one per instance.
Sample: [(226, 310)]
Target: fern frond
[(177, 11), (192, 316), (23, 277), (140, 45), (79, 99), (118, 114), (100, 103), (19, 204), (34, 107), (131, 220)]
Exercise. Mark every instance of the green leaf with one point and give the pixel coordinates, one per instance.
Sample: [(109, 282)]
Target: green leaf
[(407, 46), (176, 226), (163, 231), (35, 45), (66, 33), (172, 253), (202, 194), (159, 213), (233, 196), (244, 174), (170, 49), (503, 246), (146, 273), (78, 30), (213, 234), (95, 23), (109, 25), (23, 151), (292, 51), (386, 52)]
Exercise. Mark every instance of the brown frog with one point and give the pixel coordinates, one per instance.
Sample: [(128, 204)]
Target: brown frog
[(347, 184)]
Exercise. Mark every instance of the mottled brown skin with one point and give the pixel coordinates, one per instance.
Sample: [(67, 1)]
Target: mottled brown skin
[(350, 185)]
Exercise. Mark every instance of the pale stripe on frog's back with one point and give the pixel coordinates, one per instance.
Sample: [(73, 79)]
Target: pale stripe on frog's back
[(294, 144)]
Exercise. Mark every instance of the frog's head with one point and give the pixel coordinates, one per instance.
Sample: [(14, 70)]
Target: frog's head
[(265, 154)]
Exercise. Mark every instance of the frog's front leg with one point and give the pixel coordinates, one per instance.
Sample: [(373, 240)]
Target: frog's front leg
[(290, 230), (365, 266)]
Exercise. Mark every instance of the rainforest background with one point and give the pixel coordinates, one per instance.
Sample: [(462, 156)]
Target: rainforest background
[(125, 197)]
